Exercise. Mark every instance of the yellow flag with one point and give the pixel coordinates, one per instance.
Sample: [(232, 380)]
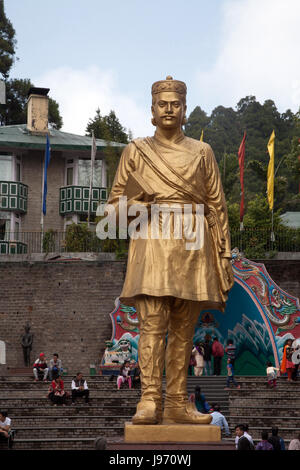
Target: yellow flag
[(270, 182), (201, 138)]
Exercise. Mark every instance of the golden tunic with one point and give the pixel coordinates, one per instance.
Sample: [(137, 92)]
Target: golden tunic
[(164, 267)]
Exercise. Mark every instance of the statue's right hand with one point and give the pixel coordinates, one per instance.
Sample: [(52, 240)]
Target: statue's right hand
[(138, 200)]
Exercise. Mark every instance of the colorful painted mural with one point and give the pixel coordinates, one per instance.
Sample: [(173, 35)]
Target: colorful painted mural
[(259, 318)]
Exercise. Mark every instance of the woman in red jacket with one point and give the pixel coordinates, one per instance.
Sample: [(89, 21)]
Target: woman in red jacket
[(57, 394), (286, 364)]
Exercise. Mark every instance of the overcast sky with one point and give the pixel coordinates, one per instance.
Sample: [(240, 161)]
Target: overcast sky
[(107, 54)]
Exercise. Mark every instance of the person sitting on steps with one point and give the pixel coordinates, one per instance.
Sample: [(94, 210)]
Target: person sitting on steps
[(79, 388), (40, 368), (57, 394)]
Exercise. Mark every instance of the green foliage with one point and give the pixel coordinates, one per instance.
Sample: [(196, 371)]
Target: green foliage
[(49, 241), (54, 117), (229, 170), (80, 239), (107, 128), (112, 158), (233, 210), (7, 43), (255, 247), (259, 215), (224, 129), (15, 110), (118, 246)]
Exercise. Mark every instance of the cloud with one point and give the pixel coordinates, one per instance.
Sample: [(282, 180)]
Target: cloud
[(80, 92), (259, 55)]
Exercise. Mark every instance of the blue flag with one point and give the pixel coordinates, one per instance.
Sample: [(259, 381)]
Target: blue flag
[(47, 160)]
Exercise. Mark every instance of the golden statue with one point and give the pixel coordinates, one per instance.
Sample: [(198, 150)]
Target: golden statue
[(166, 283)]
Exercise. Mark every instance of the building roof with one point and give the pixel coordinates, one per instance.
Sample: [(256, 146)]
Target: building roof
[(291, 219), (18, 136)]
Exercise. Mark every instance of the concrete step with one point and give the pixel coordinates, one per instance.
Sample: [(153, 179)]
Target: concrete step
[(77, 410), (44, 443), (62, 432), (60, 420), (40, 393), (45, 402)]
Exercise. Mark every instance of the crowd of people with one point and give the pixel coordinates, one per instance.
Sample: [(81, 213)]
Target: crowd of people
[(207, 358), (204, 353), (244, 441), (207, 353), (130, 374), (201, 361), (53, 373)]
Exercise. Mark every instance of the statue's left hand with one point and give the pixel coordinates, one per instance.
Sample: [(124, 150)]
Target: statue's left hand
[(228, 272)]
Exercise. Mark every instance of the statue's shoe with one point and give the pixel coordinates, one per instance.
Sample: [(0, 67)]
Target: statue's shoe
[(147, 412), (187, 414)]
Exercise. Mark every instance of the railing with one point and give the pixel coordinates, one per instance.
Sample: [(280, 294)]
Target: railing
[(49, 242), (255, 243)]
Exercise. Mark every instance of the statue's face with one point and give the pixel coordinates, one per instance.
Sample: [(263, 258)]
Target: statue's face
[(168, 110)]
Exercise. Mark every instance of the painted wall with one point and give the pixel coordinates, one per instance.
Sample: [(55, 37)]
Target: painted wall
[(259, 318)]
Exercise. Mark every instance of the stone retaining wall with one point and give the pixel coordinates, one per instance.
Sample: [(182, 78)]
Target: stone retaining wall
[(68, 303)]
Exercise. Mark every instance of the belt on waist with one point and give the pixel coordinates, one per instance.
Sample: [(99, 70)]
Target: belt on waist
[(182, 202)]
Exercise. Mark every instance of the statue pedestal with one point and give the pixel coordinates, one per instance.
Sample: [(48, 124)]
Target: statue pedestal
[(171, 433)]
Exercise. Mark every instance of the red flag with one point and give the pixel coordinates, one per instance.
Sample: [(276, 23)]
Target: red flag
[(241, 155)]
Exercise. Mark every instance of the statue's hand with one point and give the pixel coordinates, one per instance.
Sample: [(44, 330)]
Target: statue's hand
[(228, 272), (138, 200)]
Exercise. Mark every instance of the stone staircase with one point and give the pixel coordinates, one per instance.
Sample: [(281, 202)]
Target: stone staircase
[(263, 408), (41, 426)]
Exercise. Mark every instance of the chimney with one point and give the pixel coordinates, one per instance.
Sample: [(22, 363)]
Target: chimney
[(37, 110)]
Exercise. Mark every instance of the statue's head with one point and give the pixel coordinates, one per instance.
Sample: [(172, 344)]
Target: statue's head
[(168, 103)]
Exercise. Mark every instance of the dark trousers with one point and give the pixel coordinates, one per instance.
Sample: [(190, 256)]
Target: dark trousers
[(58, 400), (80, 393), (295, 371), (231, 379), (217, 365)]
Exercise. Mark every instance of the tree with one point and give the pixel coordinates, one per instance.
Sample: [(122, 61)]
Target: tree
[(15, 110), (99, 127), (7, 43), (259, 215), (224, 129), (54, 117), (107, 128), (116, 131), (197, 121)]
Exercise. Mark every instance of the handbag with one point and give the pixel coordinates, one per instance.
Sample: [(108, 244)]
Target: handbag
[(192, 361)]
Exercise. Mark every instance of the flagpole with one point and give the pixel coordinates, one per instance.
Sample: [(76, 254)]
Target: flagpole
[(44, 185), (272, 232), (93, 155)]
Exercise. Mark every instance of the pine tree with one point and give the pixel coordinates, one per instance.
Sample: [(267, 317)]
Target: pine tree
[(107, 128)]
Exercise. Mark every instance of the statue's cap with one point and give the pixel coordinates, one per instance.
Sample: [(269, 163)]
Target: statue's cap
[(169, 85)]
